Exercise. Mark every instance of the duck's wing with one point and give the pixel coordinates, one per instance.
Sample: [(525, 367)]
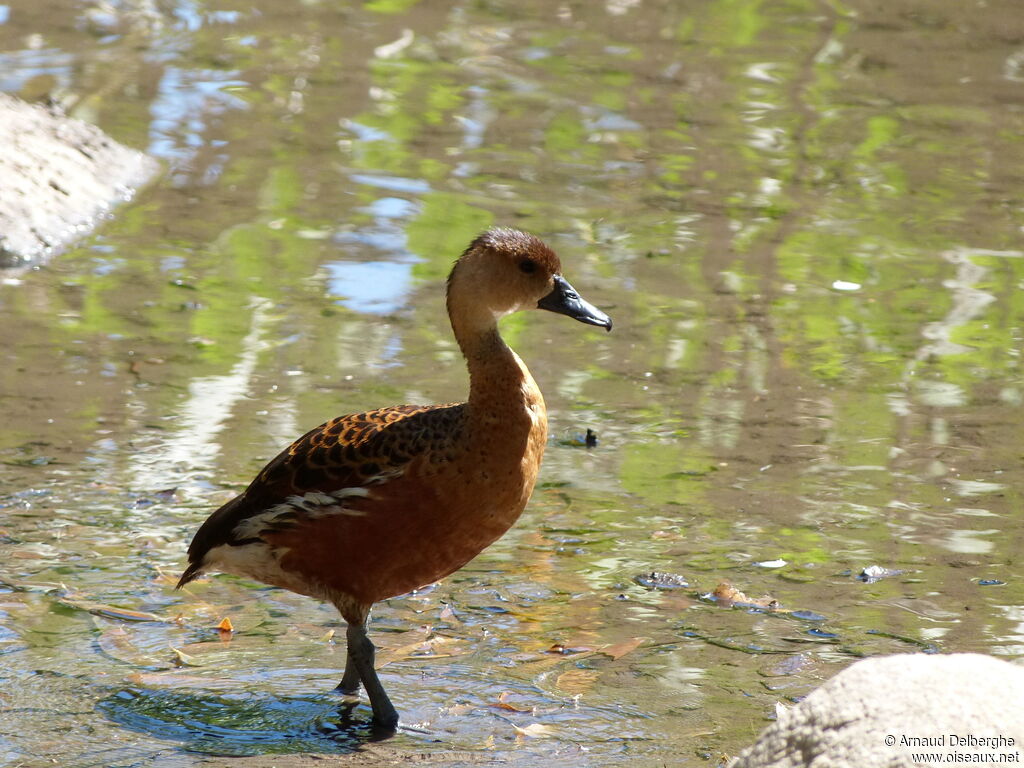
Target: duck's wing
[(343, 457)]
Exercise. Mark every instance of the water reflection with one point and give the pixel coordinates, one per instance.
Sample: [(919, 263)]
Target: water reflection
[(805, 222), (194, 440), (17, 68), (236, 724), (187, 100), (375, 287)]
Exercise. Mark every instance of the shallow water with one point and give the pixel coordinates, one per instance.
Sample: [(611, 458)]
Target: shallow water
[(805, 219)]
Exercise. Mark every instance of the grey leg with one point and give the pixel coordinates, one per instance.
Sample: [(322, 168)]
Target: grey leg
[(349, 685), (360, 661)]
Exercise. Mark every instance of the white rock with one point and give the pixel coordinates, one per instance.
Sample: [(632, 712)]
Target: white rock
[(59, 177), (884, 712)]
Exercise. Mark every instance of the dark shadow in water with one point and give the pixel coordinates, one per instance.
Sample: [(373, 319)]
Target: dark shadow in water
[(243, 723)]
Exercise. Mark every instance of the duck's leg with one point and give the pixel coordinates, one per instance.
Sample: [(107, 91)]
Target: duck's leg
[(349, 685), (360, 662)]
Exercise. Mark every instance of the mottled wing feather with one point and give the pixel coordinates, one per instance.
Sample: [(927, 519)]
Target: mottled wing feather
[(354, 451), (345, 452)]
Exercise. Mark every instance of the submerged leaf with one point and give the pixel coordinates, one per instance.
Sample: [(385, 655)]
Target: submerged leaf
[(183, 659), (110, 611), (503, 703), (618, 650), (534, 731), (429, 647), (117, 643)]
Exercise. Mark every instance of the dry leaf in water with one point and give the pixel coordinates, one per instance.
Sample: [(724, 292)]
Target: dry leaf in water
[(110, 611), (436, 647), (618, 650), (183, 659), (118, 643), (534, 731), (503, 703)]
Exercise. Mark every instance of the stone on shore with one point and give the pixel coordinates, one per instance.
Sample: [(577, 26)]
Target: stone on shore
[(885, 711), (59, 177)]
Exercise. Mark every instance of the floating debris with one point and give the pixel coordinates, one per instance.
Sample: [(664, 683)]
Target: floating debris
[(991, 583), (771, 563), (565, 650), (661, 580), (727, 596), (225, 629), (588, 440), (874, 573)]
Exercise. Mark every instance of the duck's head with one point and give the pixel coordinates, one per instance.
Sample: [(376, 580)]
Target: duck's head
[(504, 271)]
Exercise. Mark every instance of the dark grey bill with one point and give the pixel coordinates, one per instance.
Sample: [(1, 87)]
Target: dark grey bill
[(564, 300)]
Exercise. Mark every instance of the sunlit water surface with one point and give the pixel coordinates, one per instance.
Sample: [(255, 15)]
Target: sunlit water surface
[(805, 219)]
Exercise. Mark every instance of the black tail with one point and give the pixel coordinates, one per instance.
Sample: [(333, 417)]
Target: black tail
[(216, 530), (191, 573)]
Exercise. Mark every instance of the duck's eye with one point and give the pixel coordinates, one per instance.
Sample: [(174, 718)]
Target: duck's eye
[(529, 266)]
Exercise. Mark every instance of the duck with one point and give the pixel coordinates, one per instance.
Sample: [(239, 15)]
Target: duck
[(373, 505)]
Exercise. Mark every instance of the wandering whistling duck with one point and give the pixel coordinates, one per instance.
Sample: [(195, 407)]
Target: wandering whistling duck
[(373, 505)]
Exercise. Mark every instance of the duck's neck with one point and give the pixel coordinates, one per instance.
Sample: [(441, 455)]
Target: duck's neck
[(500, 385)]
